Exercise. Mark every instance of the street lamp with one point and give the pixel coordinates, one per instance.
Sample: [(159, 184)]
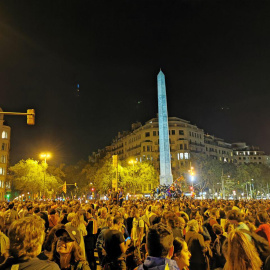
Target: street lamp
[(45, 156), (192, 175)]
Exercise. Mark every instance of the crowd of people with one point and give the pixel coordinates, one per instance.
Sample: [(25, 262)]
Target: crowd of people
[(140, 234)]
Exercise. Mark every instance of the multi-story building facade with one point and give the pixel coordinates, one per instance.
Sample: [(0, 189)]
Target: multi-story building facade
[(244, 154), (4, 157), (186, 139)]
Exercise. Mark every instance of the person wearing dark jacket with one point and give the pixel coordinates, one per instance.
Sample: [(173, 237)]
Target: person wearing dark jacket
[(159, 246), (196, 246)]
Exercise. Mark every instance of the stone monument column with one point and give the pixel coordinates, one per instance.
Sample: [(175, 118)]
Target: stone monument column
[(164, 143)]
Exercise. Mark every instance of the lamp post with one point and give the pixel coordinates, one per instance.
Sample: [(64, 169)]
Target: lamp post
[(133, 162), (45, 156)]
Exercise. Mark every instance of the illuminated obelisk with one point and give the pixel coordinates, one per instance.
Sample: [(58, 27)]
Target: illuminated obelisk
[(164, 143)]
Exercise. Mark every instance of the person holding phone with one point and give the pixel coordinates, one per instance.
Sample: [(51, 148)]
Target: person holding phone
[(115, 245)]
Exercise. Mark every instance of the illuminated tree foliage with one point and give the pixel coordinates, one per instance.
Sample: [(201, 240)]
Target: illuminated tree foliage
[(28, 176)]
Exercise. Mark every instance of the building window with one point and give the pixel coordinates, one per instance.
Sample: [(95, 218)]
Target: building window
[(173, 132), (143, 148), (147, 134), (181, 146), (4, 135), (2, 171), (3, 148), (181, 132), (148, 148), (154, 133), (149, 187), (186, 155), (181, 156), (3, 159), (185, 147)]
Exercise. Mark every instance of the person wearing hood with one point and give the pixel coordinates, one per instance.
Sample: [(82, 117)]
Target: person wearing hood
[(160, 249)]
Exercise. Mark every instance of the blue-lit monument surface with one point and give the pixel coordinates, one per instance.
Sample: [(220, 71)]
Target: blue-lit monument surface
[(164, 143)]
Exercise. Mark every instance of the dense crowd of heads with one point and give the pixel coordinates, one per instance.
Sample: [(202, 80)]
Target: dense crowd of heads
[(173, 233)]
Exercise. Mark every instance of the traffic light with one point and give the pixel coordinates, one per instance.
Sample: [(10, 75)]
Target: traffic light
[(93, 189), (65, 187), (115, 160), (75, 184), (191, 188), (30, 117)]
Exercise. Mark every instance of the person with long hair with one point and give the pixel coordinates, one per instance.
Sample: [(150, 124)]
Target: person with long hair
[(181, 253), (66, 250), (240, 253), (78, 223)]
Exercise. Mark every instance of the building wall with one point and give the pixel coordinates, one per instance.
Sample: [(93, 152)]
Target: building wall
[(4, 157), (142, 143), (247, 156)]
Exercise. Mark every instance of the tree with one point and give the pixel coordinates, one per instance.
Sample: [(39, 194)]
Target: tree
[(208, 173), (104, 174), (133, 178), (28, 176)]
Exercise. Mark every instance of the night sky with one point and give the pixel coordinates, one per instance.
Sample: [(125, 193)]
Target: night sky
[(215, 56)]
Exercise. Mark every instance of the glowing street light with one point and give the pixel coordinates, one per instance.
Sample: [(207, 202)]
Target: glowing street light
[(192, 174), (44, 156)]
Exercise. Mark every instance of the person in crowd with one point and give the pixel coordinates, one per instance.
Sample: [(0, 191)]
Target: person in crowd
[(262, 220), (236, 218), (90, 239), (181, 253), (23, 211), (43, 215), (63, 216), (160, 249), (173, 223), (218, 260), (100, 240), (26, 237), (66, 250), (240, 254), (4, 242), (30, 211), (78, 223), (121, 196), (196, 246), (53, 218), (115, 246), (137, 231), (10, 216)]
